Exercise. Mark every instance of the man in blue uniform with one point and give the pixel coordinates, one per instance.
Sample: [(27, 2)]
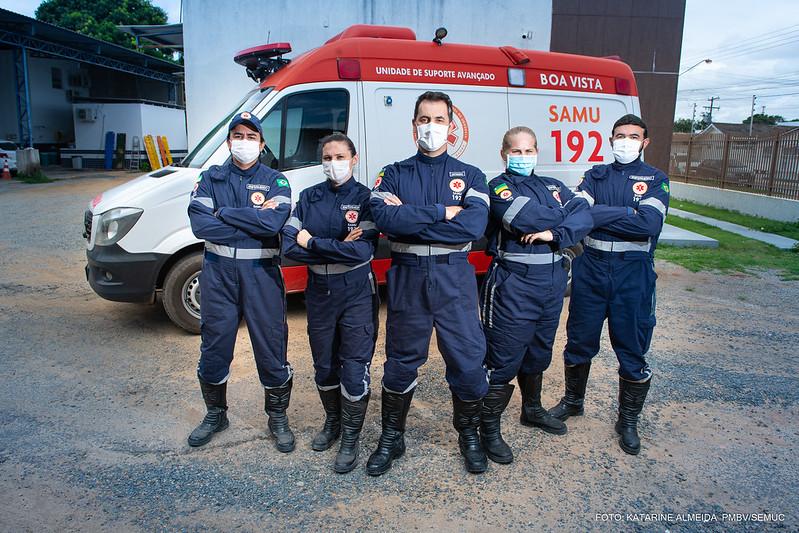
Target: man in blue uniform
[(331, 230), (533, 218), (239, 209), (431, 207), (615, 278)]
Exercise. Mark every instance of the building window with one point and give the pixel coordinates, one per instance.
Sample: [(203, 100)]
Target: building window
[(55, 75)]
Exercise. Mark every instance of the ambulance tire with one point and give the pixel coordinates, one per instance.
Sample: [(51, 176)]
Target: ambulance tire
[(181, 296), (568, 256)]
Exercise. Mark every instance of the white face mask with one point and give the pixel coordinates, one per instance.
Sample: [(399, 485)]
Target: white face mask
[(626, 150), (432, 136), (338, 171), (245, 151)]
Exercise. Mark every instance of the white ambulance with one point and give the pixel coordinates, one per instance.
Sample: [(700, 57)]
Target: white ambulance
[(364, 82)]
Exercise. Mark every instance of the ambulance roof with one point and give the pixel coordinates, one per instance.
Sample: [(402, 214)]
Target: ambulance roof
[(386, 53)]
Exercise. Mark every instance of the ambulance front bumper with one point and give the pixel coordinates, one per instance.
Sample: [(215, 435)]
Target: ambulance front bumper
[(120, 276)]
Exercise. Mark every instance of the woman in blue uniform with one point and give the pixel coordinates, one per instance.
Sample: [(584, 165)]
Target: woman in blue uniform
[(533, 218), (331, 230)]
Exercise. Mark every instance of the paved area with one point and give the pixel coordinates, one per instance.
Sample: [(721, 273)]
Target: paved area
[(674, 236), (783, 243), (98, 399)]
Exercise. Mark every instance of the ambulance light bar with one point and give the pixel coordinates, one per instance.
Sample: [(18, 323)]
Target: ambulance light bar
[(261, 61), (349, 69)]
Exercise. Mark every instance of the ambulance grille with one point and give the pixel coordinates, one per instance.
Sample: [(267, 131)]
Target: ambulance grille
[(87, 225)]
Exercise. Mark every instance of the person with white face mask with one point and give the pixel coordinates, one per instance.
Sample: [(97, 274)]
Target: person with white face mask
[(239, 209), (615, 278), (431, 206), (533, 218), (331, 230)]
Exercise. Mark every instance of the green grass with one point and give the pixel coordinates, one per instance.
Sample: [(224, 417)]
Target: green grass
[(786, 229), (36, 177), (734, 254)]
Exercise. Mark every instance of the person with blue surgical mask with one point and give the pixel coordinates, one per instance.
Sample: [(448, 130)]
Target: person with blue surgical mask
[(533, 218)]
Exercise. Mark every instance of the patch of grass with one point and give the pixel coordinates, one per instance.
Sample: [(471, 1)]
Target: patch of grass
[(734, 254), (36, 177), (786, 229)]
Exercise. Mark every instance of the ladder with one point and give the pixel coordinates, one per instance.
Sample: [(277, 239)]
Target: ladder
[(135, 155)]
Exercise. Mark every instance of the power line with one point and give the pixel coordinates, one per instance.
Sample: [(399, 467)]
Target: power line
[(772, 34)]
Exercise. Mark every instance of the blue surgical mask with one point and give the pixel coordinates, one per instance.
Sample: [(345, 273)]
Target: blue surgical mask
[(522, 165)]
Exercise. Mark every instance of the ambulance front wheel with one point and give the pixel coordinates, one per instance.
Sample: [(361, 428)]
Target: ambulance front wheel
[(181, 296), (568, 256)]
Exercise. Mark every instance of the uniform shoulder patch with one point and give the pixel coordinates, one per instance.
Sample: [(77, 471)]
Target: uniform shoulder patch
[(501, 187), (379, 178), (282, 182), (665, 187)]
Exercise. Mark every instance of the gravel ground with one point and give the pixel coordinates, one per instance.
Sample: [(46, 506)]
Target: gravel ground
[(99, 398)]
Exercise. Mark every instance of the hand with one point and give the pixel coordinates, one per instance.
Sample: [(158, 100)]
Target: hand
[(269, 204), (354, 235), (392, 200), (545, 236), (303, 237), (451, 211)]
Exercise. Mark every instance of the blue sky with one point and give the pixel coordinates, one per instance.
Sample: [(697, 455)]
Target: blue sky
[(754, 47)]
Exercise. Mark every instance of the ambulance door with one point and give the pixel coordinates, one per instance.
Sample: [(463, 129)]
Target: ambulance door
[(572, 128), (297, 121), (480, 116)]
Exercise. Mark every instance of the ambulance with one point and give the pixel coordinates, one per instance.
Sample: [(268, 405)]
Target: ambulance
[(364, 82)]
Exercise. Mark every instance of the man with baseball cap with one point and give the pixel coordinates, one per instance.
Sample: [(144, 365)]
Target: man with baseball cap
[(239, 209)]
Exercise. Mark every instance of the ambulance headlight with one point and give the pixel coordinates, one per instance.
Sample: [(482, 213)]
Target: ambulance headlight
[(115, 224)]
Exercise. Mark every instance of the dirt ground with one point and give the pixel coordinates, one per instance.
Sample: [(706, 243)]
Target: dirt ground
[(98, 398)]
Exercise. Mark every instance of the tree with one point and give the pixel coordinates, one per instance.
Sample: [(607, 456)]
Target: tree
[(760, 118), (100, 18), (683, 125)]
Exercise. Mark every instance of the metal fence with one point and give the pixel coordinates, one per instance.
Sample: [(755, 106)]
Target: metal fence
[(767, 166)]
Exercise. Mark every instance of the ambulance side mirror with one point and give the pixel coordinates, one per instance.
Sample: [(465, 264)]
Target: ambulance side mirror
[(440, 34)]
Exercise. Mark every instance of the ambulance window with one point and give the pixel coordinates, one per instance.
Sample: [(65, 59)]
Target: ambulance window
[(310, 116)]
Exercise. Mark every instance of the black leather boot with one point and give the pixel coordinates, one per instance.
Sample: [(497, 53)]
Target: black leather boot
[(572, 402), (352, 417), (631, 402), (533, 414), (331, 402), (494, 404), (466, 419), (215, 420), (392, 439), (276, 401)]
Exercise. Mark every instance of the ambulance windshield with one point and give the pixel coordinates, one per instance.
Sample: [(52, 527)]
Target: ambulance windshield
[(212, 141)]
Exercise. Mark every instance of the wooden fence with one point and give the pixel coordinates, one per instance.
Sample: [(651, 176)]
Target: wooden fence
[(767, 166)]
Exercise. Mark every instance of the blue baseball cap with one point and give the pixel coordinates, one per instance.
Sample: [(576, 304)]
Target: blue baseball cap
[(246, 117)]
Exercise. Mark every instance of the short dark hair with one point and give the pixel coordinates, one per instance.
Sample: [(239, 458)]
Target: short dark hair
[(336, 136), (433, 96), (630, 120)]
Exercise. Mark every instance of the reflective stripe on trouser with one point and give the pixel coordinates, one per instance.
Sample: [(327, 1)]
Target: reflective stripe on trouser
[(232, 289), (621, 288), (342, 329), (441, 293), (521, 306)]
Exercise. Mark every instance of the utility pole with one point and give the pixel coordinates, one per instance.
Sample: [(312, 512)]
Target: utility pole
[(710, 108), (693, 119), (762, 110), (752, 114)]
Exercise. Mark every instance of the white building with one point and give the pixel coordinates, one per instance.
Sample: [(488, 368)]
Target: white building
[(213, 32)]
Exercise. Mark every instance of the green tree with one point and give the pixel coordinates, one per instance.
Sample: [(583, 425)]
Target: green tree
[(682, 125), (100, 18), (760, 118)]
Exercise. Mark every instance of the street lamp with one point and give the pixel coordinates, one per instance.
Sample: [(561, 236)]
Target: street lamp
[(694, 66)]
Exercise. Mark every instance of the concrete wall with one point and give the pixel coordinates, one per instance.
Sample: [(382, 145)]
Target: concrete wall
[(8, 103), (743, 202), (214, 31), (133, 120)]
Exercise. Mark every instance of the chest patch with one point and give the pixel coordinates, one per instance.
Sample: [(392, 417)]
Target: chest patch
[(556, 196), (505, 194), (642, 178), (457, 185), (258, 198), (257, 187), (351, 216), (640, 188)]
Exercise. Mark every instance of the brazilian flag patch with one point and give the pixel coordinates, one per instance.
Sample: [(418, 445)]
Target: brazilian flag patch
[(282, 182), (501, 187), (665, 187)]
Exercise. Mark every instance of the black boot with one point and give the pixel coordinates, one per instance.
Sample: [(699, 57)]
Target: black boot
[(631, 401), (494, 404), (331, 402), (276, 401), (352, 417), (392, 440), (533, 414), (215, 420), (572, 402), (466, 419)]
